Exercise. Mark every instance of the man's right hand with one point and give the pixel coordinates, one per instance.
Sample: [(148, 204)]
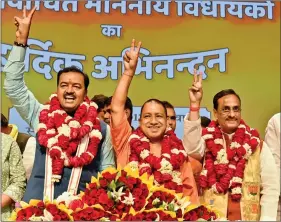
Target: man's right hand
[(196, 92), (23, 26)]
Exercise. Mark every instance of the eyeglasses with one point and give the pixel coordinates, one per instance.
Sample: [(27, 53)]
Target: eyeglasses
[(227, 110)]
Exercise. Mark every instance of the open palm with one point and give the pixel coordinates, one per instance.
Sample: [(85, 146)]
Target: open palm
[(23, 25), (131, 58)]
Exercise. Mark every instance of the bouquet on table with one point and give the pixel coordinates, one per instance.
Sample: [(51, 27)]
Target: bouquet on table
[(117, 195)]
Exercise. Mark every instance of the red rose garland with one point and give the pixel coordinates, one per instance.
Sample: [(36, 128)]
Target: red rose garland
[(61, 134), (224, 169), (165, 168)]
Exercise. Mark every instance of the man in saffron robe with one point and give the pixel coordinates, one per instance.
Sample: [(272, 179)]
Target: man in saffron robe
[(66, 154), (239, 174), (149, 148)]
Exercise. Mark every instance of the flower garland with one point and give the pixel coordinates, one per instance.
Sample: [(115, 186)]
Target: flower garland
[(61, 134), (164, 168), (224, 168)]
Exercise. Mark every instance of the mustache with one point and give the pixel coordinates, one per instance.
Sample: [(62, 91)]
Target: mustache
[(69, 94), (231, 119)]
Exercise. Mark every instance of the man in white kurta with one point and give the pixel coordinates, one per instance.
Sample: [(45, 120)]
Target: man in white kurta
[(272, 139), (227, 112)]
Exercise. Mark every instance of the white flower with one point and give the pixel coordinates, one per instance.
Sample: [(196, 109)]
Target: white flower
[(207, 136), (236, 190), (134, 165), (51, 131), (129, 200), (234, 145), (204, 172), (52, 96), (144, 153), (211, 129), (214, 188), (166, 155), (235, 180), (117, 195), (47, 106), (96, 133), (221, 157), (86, 104), (133, 136), (89, 123), (182, 204), (242, 126), (176, 151), (144, 139), (64, 130), (144, 165), (94, 104), (47, 216), (155, 201), (67, 198), (52, 141), (176, 175), (218, 141), (74, 124), (248, 151), (165, 166)]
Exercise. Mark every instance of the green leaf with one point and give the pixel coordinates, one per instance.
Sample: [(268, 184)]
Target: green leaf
[(112, 185)]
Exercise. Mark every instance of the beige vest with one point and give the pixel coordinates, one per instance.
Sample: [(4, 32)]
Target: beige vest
[(250, 201)]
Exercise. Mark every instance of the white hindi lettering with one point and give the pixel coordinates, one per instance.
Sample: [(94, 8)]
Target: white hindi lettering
[(103, 66), (42, 58), (236, 8), (195, 8), (111, 30), (19, 4), (54, 5), (198, 59)]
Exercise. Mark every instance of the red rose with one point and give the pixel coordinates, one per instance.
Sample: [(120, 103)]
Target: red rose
[(93, 186), (63, 141), (145, 170), (73, 205), (29, 212), (166, 177), (52, 208), (132, 180), (58, 119), (108, 176), (41, 204), (241, 152), (56, 218), (221, 169), (137, 192), (103, 198)]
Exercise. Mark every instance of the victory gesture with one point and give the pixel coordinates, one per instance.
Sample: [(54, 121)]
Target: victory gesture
[(131, 59), (23, 26), (196, 92)]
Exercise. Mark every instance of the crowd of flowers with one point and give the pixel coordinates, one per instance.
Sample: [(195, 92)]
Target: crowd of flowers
[(117, 195)]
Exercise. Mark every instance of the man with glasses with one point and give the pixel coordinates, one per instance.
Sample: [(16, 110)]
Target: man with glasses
[(239, 175)]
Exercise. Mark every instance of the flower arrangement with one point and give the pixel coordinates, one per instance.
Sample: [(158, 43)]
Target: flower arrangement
[(114, 195)]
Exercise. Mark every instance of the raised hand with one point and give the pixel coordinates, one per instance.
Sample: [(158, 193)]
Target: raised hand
[(131, 59), (23, 25), (196, 92)]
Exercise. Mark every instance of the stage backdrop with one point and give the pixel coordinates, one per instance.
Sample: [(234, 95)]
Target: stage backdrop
[(235, 44)]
